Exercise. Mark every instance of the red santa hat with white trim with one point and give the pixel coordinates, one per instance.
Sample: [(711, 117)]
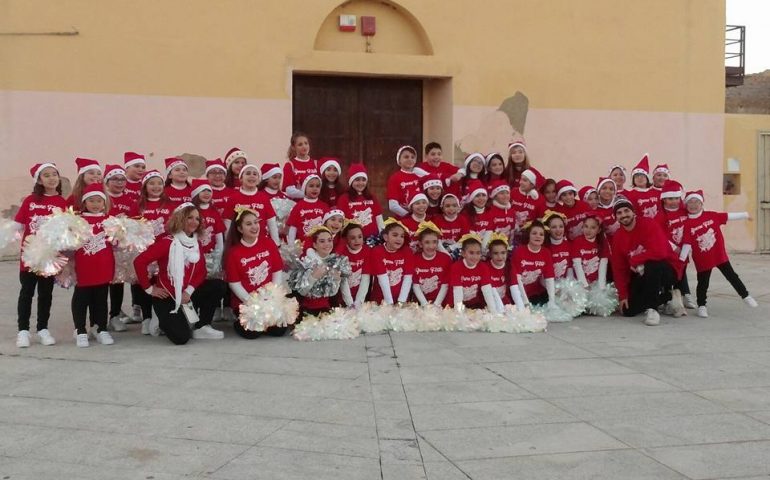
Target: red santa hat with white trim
[(474, 156), (603, 180), (642, 168), (447, 196), (671, 189), (326, 162), (172, 163), (113, 171), (475, 187), (492, 155), (216, 164), (233, 154), (39, 167), (534, 176), (498, 186), (151, 174), (356, 170), (86, 164), (401, 150), (662, 168), (267, 170), (431, 180), (199, 185), (584, 192), (416, 198), (133, 158), (564, 186), (696, 194), (517, 143), (306, 180), (247, 167), (93, 190), (334, 212)]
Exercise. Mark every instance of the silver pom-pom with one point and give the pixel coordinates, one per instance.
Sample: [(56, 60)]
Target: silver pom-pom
[(268, 307), (64, 230), (128, 233), (339, 324), (553, 313), (282, 207), (124, 266), (67, 277), (515, 321), (9, 233), (374, 318), (571, 296), (214, 266), (290, 254), (41, 258), (602, 302)]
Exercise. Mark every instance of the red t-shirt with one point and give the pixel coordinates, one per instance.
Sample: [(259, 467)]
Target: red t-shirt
[(95, 261), (412, 224), (499, 281), (645, 200), (220, 197), (704, 234), (252, 266), (133, 189), (562, 257), (212, 225), (532, 266), (527, 208), (673, 222), (452, 230), (364, 211), (609, 224), (443, 171), (32, 210), (156, 212), (431, 274), (481, 222), (305, 215), (402, 186), (575, 216), (256, 201), (177, 196), (503, 220), (276, 194), (590, 254), (360, 264), (122, 204), (396, 265), (471, 280), (295, 170)]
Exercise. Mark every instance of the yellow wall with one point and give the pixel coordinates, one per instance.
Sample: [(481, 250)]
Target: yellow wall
[(656, 55), (741, 143)]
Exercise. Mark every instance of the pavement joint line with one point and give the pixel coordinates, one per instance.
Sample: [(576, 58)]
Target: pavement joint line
[(421, 438), (374, 410)]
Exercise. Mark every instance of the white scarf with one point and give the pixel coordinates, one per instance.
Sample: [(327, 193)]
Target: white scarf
[(184, 251)]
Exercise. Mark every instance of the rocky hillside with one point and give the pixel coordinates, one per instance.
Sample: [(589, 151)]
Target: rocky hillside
[(751, 97)]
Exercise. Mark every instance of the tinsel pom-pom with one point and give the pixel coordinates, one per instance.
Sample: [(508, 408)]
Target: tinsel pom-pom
[(515, 321), (41, 258), (214, 266), (128, 233), (571, 296), (124, 266), (64, 230), (282, 207), (67, 278), (9, 232), (374, 240), (339, 324), (453, 249), (290, 254), (553, 313), (373, 318), (268, 307), (404, 318), (602, 302)]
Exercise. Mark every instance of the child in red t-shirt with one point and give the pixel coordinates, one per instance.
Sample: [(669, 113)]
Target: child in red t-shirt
[(418, 207), (331, 181), (559, 245), (121, 203), (532, 280), (497, 248), (308, 212), (470, 280), (134, 165), (360, 258), (299, 166), (216, 171), (359, 204), (703, 237), (404, 183), (452, 224), (430, 282), (177, 185), (392, 265), (434, 191), (590, 254), (476, 210), (502, 212), (574, 209)]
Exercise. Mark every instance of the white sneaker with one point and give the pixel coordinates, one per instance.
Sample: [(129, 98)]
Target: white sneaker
[(703, 312), (81, 340), (154, 326), (116, 324), (104, 338), (208, 332), (22, 339), (137, 315), (689, 302), (146, 326), (45, 337), (653, 317), (750, 301)]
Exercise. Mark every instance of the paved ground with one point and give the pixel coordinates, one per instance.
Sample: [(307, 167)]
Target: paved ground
[(594, 399)]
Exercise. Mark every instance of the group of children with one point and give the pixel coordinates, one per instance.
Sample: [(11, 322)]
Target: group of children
[(492, 232)]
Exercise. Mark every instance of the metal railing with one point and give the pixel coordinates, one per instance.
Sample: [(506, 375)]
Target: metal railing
[(735, 55)]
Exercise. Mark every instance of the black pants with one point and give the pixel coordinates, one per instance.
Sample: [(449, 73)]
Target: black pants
[(116, 299), (143, 299), (651, 289), (539, 300), (91, 301), (44, 286), (683, 285), (704, 278), (205, 300)]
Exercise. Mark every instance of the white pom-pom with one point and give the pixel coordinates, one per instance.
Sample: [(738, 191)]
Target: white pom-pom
[(128, 233), (373, 318), (553, 313), (67, 277), (430, 318), (268, 307), (571, 296), (602, 301), (214, 266), (282, 208), (339, 324), (290, 254), (63, 230), (41, 258), (9, 232)]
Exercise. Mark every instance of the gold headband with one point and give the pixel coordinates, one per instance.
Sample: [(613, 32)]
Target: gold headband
[(239, 210), (549, 214), (427, 227), (318, 229), (469, 236), (497, 237), (393, 221), (528, 225)]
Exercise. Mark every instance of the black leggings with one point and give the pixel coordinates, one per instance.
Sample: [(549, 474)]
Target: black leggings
[(205, 299), (91, 301), (704, 278), (539, 300), (116, 299), (44, 286), (143, 299), (651, 289)]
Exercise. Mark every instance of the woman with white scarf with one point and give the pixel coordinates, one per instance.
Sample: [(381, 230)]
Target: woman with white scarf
[(181, 278)]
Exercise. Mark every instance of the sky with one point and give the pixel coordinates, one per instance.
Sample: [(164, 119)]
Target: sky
[(755, 15)]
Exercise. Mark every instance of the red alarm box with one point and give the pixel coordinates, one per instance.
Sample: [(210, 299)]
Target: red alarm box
[(368, 26)]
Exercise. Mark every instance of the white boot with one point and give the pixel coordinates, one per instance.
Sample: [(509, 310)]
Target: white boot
[(653, 317)]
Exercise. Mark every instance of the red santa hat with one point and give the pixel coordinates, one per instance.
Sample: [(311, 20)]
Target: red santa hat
[(449, 195), (671, 189), (662, 168), (431, 180), (233, 154), (113, 171), (172, 163), (498, 186), (534, 176), (492, 155), (306, 180), (246, 167), (474, 156), (267, 170), (642, 168), (475, 187), (151, 174), (216, 164), (564, 186), (603, 180), (333, 213), (93, 190), (132, 158), (620, 167), (697, 194), (585, 192), (199, 185), (39, 167), (326, 162), (517, 143), (86, 164), (401, 150), (417, 197), (356, 170)]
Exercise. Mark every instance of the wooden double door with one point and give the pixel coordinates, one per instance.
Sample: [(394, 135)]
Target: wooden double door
[(359, 120)]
